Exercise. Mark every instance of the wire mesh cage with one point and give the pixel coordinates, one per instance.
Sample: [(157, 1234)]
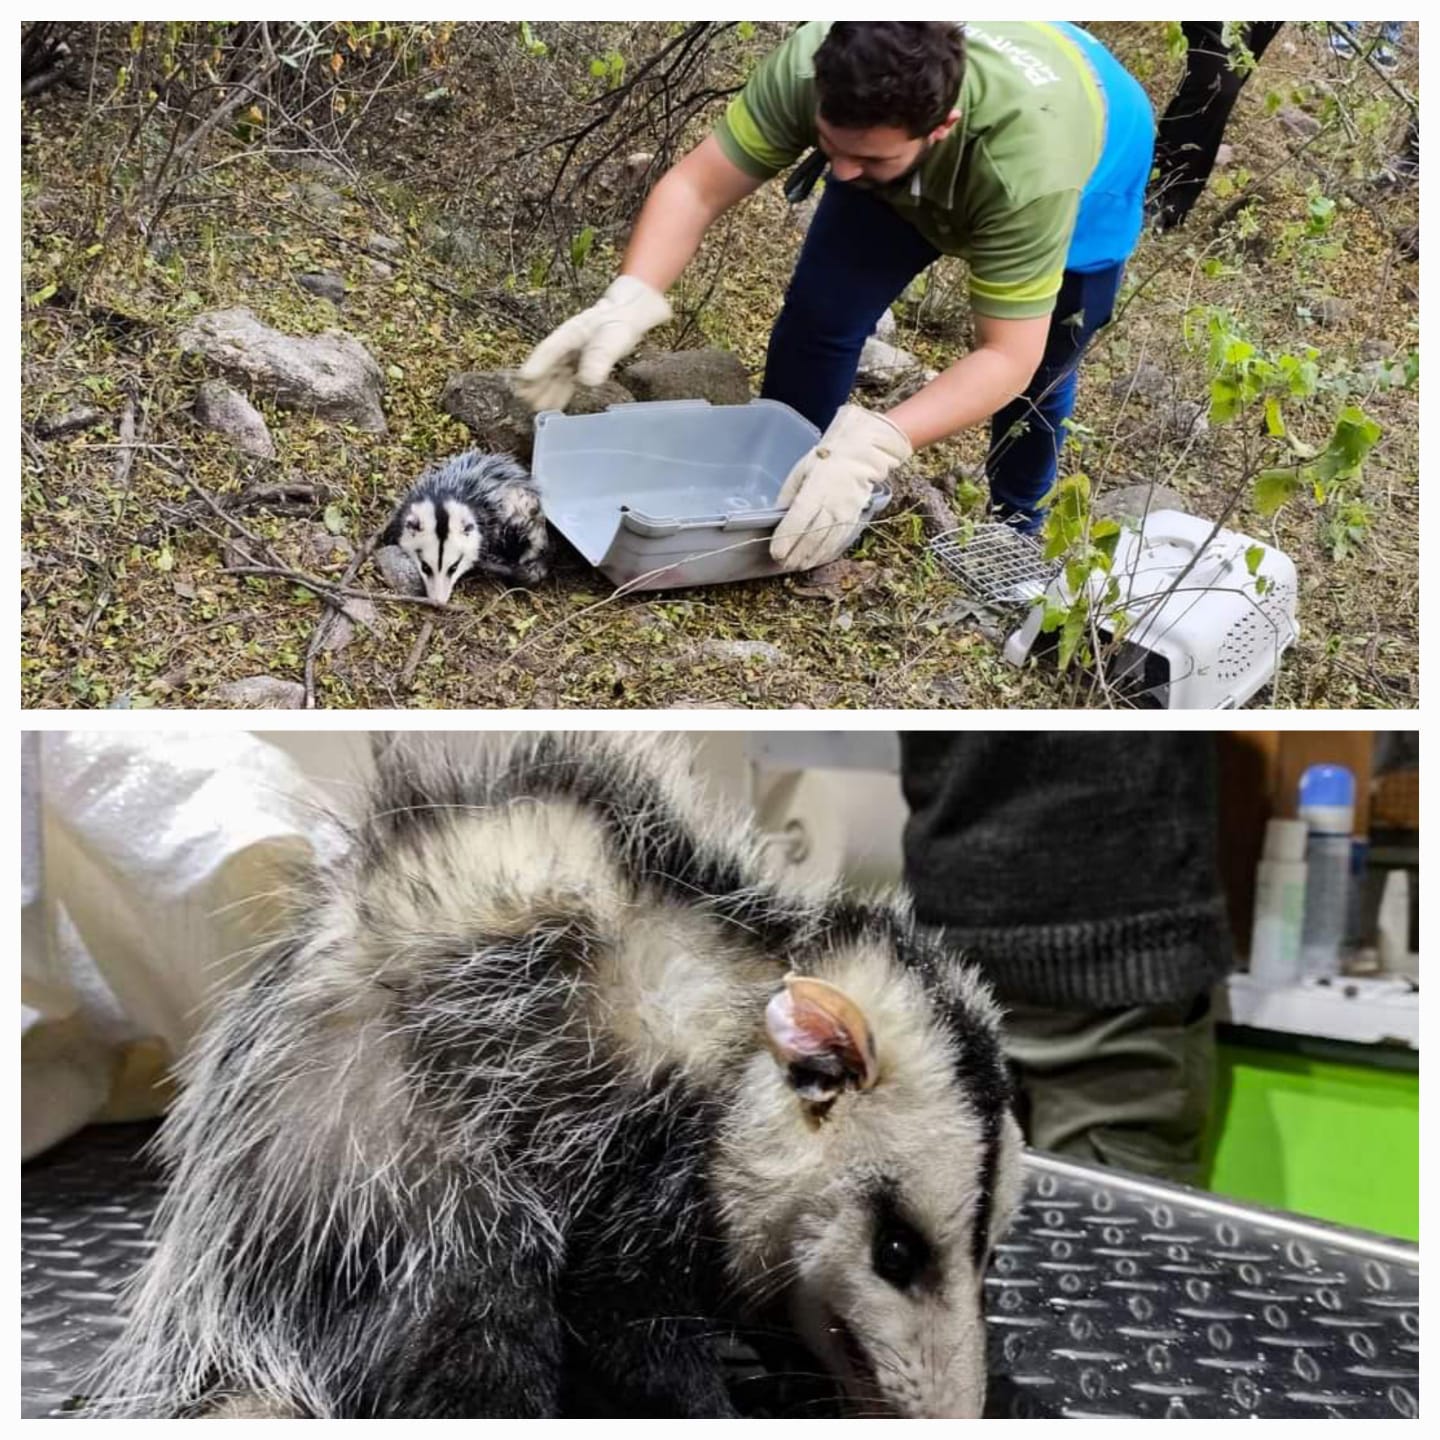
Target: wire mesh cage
[(996, 564)]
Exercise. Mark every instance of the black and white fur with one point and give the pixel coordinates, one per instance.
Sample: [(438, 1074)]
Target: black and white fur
[(473, 512), (518, 1098)]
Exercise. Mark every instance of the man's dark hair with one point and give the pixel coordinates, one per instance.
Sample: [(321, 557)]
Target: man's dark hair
[(890, 72)]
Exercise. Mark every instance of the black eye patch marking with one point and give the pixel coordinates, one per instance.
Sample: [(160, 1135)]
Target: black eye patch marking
[(899, 1254), (425, 568)]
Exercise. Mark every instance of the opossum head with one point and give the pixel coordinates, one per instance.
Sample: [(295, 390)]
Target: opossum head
[(868, 1167), (442, 536)]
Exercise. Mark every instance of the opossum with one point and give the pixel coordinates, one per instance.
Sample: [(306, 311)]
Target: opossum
[(549, 1077), (473, 512)]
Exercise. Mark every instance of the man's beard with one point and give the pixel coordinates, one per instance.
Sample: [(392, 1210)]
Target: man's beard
[(861, 183)]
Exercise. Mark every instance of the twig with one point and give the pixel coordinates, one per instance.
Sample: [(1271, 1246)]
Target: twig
[(416, 651), (332, 594), (326, 622)]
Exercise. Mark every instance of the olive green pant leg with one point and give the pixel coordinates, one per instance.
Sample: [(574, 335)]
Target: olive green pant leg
[(1125, 1088)]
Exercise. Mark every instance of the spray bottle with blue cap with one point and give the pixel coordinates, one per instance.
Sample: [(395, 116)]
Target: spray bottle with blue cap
[(1327, 805)]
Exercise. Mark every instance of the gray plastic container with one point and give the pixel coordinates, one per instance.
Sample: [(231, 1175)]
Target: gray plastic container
[(666, 493)]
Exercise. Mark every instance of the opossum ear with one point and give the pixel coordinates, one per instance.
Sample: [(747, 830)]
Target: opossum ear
[(822, 1038)]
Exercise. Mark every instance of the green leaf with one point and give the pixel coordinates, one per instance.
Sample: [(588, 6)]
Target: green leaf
[(43, 294), (580, 245), (1274, 420), (1072, 632), (1355, 434), (165, 560), (746, 29), (1273, 488), (1253, 556), (334, 519)]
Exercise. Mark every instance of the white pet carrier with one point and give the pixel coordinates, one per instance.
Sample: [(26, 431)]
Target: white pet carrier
[(1202, 631)]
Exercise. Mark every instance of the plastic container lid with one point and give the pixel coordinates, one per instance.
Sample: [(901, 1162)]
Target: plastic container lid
[(1285, 840), (1327, 785)]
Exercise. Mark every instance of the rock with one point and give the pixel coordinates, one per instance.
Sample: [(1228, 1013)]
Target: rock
[(741, 651), (934, 508), (1130, 502), (332, 374), (454, 242), (341, 630), (378, 244), (883, 365), (485, 401), (319, 197), (836, 578), (261, 692), (1372, 350), (70, 422), (713, 375), (1181, 419), (379, 269), (320, 165), (637, 164), (1148, 381), (1297, 122), (885, 327), (401, 573), (1224, 156), (1328, 310), (220, 407), (27, 561), (326, 551), (844, 621), (326, 286)]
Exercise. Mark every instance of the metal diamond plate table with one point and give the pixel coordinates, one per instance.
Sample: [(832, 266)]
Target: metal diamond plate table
[(1111, 1295), (1119, 1296)]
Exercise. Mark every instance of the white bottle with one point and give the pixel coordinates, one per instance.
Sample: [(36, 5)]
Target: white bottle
[(1327, 806), (1279, 904), (1393, 925)]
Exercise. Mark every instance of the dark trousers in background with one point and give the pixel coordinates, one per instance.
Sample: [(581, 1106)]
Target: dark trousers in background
[(858, 257), (1130, 1088), (1193, 125)]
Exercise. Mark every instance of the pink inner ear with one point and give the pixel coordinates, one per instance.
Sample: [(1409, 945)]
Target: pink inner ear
[(799, 1028)]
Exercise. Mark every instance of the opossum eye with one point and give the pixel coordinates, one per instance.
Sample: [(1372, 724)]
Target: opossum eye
[(451, 571), (469, 530), (425, 568), (899, 1253), (413, 525)]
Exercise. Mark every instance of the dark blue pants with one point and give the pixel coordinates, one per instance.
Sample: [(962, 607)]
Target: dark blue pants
[(858, 257)]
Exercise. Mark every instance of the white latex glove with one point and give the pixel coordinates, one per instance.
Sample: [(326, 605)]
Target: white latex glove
[(585, 348), (828, 489)]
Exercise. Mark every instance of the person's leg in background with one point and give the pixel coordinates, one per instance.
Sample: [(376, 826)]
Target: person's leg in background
[(1080, 872), (1189, 134), (858, 256), (1129, 1088), (1026, 435)]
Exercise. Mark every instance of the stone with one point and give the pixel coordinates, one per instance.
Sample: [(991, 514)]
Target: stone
[(1329, 310), (401, 574), (1181, 419), (1224, 156), (379, 269), (70, 422), (886, 327), (222, 408), (486, 402), (741, 651), (1147, 380), (882, 365), (637, 164), (935, 511), (341, 630), (1297, 122), (326, 551), (27, 561), (713, 375), (260, 692), (1132, 502), (326, 286), (319, 197), (331, 374), (382, 245)]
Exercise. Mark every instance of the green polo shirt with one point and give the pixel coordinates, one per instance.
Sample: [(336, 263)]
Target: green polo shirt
[(1001, 190)]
